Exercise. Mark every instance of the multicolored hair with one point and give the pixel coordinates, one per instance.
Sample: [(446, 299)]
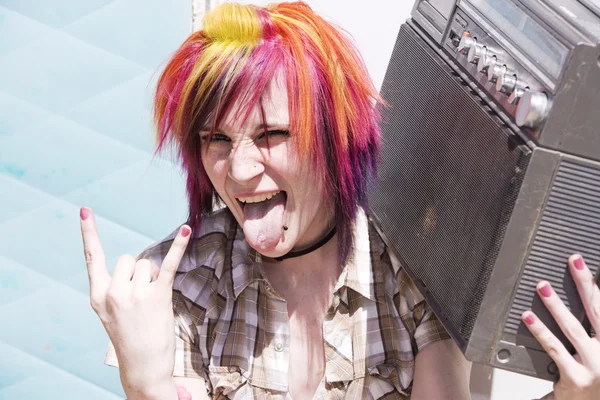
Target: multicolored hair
[(332, 101)]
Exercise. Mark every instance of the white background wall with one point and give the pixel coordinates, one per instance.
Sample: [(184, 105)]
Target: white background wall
[(374, 27)]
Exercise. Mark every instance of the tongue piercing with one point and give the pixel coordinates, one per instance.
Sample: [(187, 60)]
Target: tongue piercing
[(285, 228)]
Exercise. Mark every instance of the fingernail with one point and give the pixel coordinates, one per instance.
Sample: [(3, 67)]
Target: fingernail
[(84, 213), (185, 231), (529, 319), (578, 263), (545, 290), (182, 393)]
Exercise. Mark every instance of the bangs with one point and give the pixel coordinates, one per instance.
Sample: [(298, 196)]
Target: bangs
[(243, 87)]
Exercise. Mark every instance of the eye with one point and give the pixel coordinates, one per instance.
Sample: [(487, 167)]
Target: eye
[(279, 132), (275, 133), (219, 137), (216, 137)]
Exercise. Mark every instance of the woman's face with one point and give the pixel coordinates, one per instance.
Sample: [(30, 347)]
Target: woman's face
[(267, 187)]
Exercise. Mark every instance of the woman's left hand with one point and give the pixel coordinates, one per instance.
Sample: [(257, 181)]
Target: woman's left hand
[(579, 374)]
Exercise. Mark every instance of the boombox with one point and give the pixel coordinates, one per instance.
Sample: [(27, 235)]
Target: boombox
[(490, 173)]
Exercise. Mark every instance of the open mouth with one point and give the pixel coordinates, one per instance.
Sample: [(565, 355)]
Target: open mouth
[(260, 198), (263, 218)]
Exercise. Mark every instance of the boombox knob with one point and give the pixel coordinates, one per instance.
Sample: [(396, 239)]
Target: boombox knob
[(475, 53), (486, 62), (466, 42), (516, 95), (494, 71), (506, 83), (532, 109)]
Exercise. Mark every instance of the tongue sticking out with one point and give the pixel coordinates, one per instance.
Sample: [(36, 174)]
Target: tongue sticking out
[(263, 222)]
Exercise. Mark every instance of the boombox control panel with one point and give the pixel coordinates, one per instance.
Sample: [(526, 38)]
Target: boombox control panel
[(534, 63), (531, 106)]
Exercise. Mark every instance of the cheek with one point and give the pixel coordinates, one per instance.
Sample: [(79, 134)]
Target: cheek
[(287, 162), (306, 184), (216, 169), (307, 177)]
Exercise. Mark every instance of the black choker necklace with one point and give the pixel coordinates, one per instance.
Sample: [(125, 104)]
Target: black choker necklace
[(315, 246)]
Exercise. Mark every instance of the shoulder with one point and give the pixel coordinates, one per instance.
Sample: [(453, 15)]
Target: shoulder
[(206, 247), (417, 316), (398, 282)]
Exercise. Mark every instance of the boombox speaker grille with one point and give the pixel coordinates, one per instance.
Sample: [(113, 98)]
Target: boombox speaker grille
[(449, 178), (569, 223)]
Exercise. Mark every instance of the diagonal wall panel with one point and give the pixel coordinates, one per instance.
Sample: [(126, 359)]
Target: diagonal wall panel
[(75, 129)]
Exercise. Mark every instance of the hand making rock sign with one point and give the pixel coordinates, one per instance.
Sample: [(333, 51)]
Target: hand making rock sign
[(135, 307)]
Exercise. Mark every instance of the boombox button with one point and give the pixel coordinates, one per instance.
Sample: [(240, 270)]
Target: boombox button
[(485, 62), (466, 42), (476, 52), (532, 109), (516, 95), (506, 83), (495, 71), (503, 356)]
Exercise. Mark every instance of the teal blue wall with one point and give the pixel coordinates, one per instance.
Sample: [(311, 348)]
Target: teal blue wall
[(76, 80)]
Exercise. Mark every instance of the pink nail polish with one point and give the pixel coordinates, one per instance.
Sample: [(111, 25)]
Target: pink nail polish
[(529, 319), (84, 213), (578, 262), (545, 290), (185, 231), (182, 393)]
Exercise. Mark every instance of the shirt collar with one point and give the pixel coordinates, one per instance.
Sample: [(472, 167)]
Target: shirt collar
[(357, 274), (245, 261)]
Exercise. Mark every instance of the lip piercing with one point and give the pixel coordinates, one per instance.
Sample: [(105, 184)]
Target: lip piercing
[(285, 228)]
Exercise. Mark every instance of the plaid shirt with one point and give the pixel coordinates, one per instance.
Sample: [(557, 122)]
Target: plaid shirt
[(232, 328)]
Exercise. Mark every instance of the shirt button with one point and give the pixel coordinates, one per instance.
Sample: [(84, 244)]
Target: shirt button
[(278, 346), (337, 342)]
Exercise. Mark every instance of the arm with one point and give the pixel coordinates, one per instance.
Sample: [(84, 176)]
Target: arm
[(195, 385), (139, 298), (441, 372), (178, 389)]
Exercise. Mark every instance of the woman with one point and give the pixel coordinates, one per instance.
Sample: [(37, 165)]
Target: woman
[(287, 291)]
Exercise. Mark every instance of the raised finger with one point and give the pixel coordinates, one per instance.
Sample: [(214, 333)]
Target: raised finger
[(587, 288), (554, 347), (173, 258), (567, 322), (92, 249), (142, 274)]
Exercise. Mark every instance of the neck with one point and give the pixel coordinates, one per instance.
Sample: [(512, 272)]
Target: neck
[(319, 267), (314, 247)]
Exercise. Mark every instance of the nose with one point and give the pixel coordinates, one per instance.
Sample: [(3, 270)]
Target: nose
[(245, 163)]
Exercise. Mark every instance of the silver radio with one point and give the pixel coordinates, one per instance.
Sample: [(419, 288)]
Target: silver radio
[(491, 164)]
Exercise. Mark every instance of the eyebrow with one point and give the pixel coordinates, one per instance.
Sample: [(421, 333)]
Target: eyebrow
[(259, 127)]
